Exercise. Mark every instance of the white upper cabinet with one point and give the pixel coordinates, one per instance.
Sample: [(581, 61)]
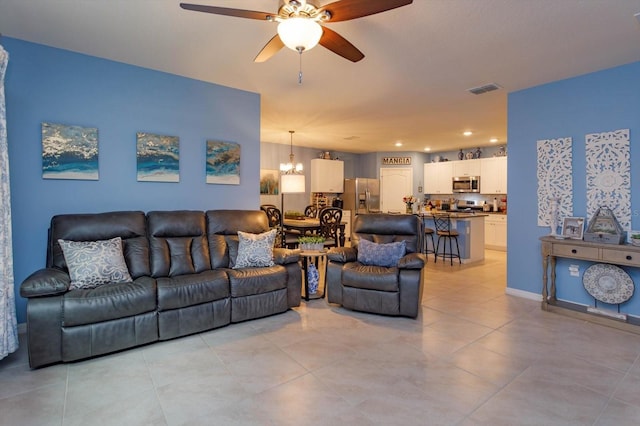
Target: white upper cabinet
[(437, 178), (493, 175), (327, 175), (466, 168)]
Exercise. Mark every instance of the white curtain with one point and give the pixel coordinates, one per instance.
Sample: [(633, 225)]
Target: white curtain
[(8, 323)]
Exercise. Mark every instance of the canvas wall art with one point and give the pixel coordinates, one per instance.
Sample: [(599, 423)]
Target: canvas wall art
[(609, 174), (269, 182), (69, 152), (158, 158), (223, 163), (554, 172)]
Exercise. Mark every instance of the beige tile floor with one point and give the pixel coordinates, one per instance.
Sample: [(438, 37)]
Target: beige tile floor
[(475, 356)]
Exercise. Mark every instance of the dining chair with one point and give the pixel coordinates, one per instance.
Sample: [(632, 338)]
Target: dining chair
[(274, 217), (311, 211), (330, 218), (273, 214), (446, 234)]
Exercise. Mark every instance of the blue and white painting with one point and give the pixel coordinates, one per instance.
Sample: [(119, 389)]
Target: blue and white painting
[(69, 152), (223, 162), (158, 158)]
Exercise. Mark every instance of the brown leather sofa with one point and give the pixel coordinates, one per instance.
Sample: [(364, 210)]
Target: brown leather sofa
[(180, 263), (388, 290)]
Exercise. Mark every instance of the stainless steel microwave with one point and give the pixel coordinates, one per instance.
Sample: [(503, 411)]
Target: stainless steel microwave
[(466, 184)]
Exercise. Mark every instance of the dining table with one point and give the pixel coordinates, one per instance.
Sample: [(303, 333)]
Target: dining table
[(310, 226)]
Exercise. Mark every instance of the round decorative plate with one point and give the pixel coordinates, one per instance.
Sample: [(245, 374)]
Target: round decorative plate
[(608, 283)]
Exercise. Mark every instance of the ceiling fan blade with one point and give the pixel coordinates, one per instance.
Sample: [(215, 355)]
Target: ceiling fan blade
[(238, 13), (344, 10), (339, 45), (272, 47)]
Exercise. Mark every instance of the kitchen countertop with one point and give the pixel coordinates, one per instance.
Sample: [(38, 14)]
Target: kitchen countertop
[(457, 215)]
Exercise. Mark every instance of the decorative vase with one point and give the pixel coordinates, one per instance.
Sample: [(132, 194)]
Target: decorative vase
[(409, 208), (313, 278)]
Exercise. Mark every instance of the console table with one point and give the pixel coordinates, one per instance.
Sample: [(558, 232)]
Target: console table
[(552, 248)]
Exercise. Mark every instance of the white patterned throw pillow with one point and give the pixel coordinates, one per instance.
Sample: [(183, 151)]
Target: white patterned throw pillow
[(94, 263), (255, 250)]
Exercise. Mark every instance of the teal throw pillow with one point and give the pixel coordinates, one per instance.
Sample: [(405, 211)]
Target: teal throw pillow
[(370, 253)]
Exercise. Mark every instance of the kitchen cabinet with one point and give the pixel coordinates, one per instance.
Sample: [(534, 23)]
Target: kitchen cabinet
[(493, 175), (327, 176), (437, 178), (466, 168), (495, 232)]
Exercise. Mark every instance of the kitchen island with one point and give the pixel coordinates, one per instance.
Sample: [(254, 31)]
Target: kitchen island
[(470, 226)]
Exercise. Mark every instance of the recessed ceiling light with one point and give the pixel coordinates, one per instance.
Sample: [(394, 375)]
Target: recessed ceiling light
[(427, 149), (493, 140), (398, 143), (468, 133)]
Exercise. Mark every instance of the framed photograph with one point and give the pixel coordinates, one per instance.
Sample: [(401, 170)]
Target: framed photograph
[(573, 227), (69, 152), (269, 182)]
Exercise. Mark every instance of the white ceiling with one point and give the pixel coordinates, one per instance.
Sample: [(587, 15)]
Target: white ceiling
[(410, 87)]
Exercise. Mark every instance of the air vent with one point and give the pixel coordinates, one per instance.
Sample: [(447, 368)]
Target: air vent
[(484, 89)]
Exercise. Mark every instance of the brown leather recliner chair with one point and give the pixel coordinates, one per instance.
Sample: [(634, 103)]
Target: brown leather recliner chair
[(388, 290)]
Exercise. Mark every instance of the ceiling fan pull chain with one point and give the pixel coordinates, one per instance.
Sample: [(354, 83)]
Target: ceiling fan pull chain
[(300, 71)]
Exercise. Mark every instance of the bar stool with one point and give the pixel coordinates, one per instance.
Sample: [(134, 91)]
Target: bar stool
[(446, 234), (428, 232)]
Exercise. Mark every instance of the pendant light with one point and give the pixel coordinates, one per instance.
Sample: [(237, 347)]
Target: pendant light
[(291, 182)]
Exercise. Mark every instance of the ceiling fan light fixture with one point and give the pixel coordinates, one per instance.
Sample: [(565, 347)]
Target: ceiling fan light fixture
[(299, 34)]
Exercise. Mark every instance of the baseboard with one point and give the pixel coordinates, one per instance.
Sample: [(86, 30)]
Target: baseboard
[(524, 294)]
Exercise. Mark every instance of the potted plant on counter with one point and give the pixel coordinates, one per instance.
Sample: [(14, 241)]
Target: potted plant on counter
[(311, 242)]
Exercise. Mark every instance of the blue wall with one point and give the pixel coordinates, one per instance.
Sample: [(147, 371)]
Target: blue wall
[(599, 102), (52, 85)]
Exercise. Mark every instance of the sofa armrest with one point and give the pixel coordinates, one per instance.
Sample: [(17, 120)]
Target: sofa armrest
[(45, 282), (412, 261), (283, 256), (343, 254)]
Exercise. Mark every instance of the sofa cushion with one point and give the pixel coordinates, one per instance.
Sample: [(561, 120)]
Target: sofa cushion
[(223, 227), (249, 281), (131, 226), (255, 250), (193, 289), (178, 242), (94, 263), (370, 253), (108, 302), (370, 277)]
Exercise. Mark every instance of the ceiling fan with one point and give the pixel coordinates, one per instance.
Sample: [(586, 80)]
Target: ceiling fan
[(299, 23)]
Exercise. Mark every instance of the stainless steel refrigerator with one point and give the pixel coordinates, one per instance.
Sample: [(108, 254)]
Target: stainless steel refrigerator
[(361, 195)]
